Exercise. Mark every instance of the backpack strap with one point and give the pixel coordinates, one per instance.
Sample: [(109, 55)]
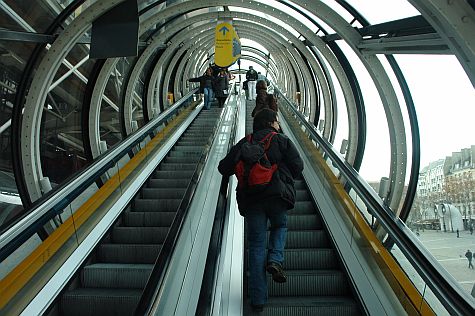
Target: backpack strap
[(267, 139)]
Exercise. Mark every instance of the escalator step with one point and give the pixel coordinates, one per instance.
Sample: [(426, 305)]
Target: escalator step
[(303, 207), (193, 148), (163, 193), (152, 205), (168, 183), (311, 283), (92, 302), (175, 153), (148, 218), (138, 235), (116, 275), (177, 166), (127, 253), (300, 185), (302, 195), (304, 222), (191, 137), (173, 160), (190, 143), (310, 306), (307, 239), (173, 174), (306, 259)]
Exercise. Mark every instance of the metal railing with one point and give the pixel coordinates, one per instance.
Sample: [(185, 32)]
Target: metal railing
[(429, 269), (51, 204)]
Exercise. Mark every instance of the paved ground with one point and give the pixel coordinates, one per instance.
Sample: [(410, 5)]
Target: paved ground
[(450, 252)]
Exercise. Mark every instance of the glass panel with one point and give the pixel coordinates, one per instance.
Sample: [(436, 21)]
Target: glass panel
[(383, 11), (366, 241), (35, 18), (377, 158), (13, 58), (62, 151), (442, 213), (91, 206)]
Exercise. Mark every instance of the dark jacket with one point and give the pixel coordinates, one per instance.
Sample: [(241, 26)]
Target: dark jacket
[(266, 101), (281, 190), (221, 83), (202, 80), (251, 75)]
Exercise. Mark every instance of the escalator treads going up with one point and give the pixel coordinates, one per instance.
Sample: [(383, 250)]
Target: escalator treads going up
[(114, 277), (316, 282), (316, 285)]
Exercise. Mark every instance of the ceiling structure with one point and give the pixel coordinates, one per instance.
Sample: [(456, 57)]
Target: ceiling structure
[(73, 104)]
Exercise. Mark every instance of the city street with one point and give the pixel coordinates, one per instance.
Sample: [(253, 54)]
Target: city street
[(450, 252)]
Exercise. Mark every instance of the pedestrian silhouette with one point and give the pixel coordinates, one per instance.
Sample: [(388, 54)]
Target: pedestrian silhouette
[(458, 234), (469, 256)]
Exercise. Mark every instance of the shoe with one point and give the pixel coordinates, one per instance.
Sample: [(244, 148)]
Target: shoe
[(277, 272), (257, 308)]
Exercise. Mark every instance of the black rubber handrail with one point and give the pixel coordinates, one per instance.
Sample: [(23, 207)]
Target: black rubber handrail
[(56, 200), (155, 280), (430, 270)]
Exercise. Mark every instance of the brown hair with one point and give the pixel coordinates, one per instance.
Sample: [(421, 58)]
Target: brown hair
[(261, 85), (264, 119)]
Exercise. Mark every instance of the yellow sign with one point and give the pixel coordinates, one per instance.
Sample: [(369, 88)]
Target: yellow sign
[(227, 46)]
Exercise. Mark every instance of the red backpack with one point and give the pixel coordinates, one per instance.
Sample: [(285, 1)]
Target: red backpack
[(254, 170)]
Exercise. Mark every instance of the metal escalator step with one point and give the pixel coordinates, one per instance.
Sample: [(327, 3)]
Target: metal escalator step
[(168, 183), (93, 302), (304, 222), (127, 253), (201, 129), (138, 235), (306, 259), (174, 160), (310, 306), (195, 136), (193, 148), (177, 166), (152, 205), (303, 207), (115, 275), (176, 153), (131, 218), (302, 195), (307, 239), (191, 143), (311, 283), (163, 193), (159, 174), (300, 185)]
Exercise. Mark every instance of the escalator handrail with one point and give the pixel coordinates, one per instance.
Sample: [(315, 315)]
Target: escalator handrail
[(431, 271), (155, 280), (57, 199), (214, 249)]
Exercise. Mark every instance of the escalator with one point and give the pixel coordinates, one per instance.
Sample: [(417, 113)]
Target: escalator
[(316, 283), (114, 277)]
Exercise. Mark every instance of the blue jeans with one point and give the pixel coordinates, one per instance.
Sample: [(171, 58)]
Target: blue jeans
[(208, 92), (256, 238)]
